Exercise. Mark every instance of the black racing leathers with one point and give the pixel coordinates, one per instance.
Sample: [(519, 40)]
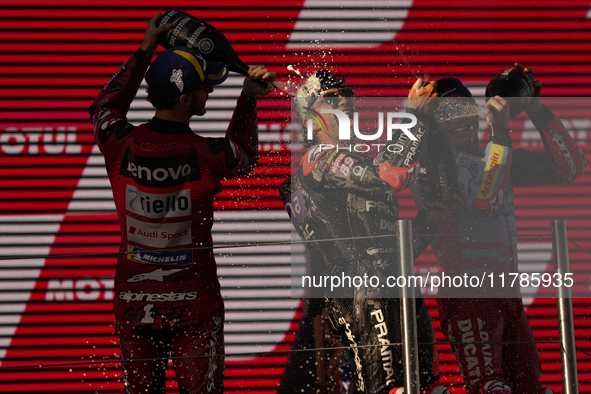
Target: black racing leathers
[(349, 198)]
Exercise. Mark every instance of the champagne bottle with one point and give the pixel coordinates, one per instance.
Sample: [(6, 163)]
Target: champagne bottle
[(514, 85), (194, 33)]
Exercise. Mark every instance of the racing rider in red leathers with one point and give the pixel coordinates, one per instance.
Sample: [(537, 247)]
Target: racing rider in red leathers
[(486, 241), (164, 178), (348, 196)]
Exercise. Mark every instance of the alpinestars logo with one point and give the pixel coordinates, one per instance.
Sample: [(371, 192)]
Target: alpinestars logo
[(356, 357), (171, 296), (156, 275), (564, 149)]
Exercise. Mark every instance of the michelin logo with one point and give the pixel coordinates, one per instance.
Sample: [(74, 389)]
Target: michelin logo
[(181, 257)]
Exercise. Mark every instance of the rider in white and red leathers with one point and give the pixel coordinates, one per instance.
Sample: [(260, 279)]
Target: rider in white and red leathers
[(164, 178), (480, 239)]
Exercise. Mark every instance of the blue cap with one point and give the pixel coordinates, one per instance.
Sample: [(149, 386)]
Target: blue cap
[(452, 87), (180, 70)]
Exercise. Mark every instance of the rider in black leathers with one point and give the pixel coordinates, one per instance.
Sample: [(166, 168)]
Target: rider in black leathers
[(349, 197)]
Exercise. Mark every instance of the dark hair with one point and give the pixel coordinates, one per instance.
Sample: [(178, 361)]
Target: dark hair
[(161, 103)]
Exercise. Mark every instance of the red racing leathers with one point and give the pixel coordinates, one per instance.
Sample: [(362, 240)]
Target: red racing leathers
[(484, 241), (164, 178)]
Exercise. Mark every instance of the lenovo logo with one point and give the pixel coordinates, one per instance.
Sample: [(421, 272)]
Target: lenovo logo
[(161, 171)]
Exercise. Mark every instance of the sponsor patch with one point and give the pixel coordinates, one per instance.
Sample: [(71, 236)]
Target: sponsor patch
[(381, 329), (330, 158), (359, 171), (115, 88), (158, 235), (159, 317), (130, 296), (356, 356), (161, 171), (158, 206), (565, 149), (177, 79), (116, 76), (296, 207), (491, 172), (180, 257), (335, 165)]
